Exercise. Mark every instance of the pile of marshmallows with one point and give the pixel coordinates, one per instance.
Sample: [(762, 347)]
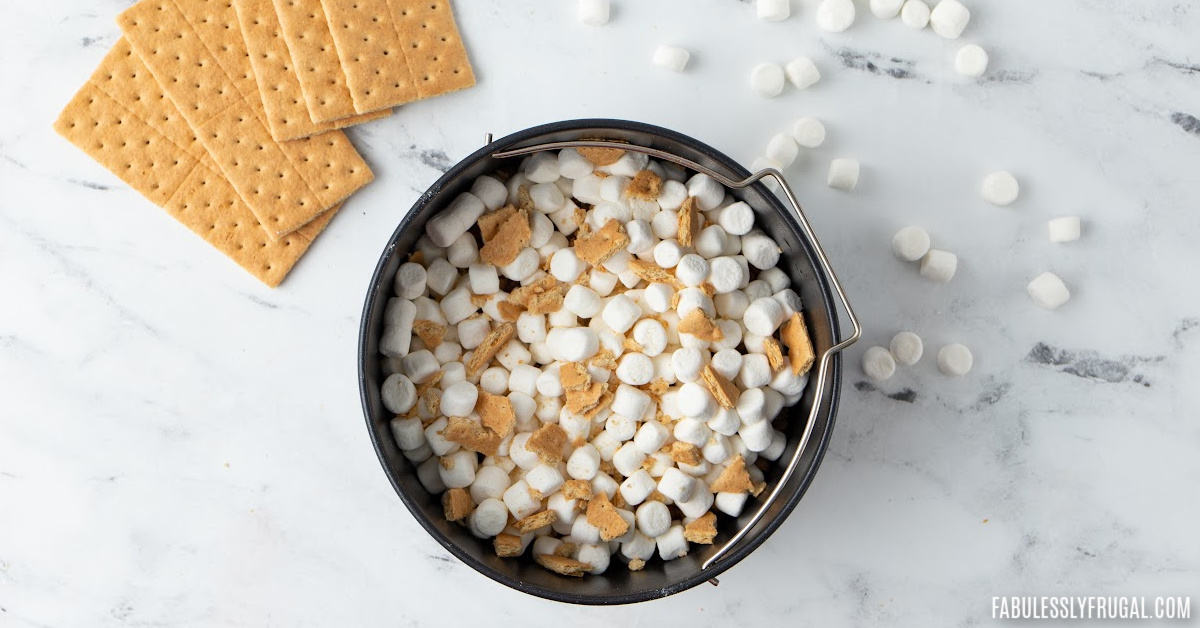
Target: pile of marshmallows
[(584, 358)]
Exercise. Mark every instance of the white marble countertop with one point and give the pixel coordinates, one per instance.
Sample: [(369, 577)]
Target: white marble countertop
[(180, 446)]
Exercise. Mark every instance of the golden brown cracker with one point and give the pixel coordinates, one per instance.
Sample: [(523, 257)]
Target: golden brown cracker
[(698, 324), (734, 479), (799, 344), (685, 453), (492, 343), (573, 376), (563, 565), (725, 392), (577, 489), (703, 530), (536, 521), (602, 156), (314, 57), (596, 247), (507, 545), (689, 221), (496, 413), (512, 236), (490, 222), (437, 59), (370, 52), (430, 333), (471, 435), (602, 514), (548, 442), (773, 352), (645, 185), (583, 399), (544, 296), (456, 504)]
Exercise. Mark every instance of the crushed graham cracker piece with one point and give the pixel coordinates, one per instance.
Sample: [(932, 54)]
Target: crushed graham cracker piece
[(602, 156), (579, 216), (471, 435), (507, 545), (773, 352), (656, 496), (602, 514), (618, 500), (689, 221), (578, 441), (490, 223), (645, 185), (596, 247), (524, 200), (491, 344), (566, 548), (632, 346), (479, 300), (562, 565), (430, 333), (800, 349), (758, 488), (417, 257), (496, 413), (648, 271), (698, 324), (657, 388), (603, 359), (605, 400), (702, 530), (536, 521), (637, 564), (708, 289), (734, 479), (509, 311), (584, 399), (725, 392), (432, 396), (574, 376), (456, 504), (685, 453), (510, 238), (577, 489), (608, 467), (548, 442), (544, 296)]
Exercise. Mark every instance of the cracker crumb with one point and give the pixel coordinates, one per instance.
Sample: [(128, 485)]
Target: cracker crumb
[(510, 238), (544, 296), (524, 200), (603, 359), (648, 271), (800, 349), (602, 514), (689, 221), (637, 564), (685, 453), (773, 352), (581, 400), (656, 497), (579, 216), (618, 500), (708, 289), (605, 400), (632, 346), (496, 413), (417, 257), (562, 565), (656, 389), (698, 324), (507, 545), (536, 521), (548, 442), (566, 549), (734, 479), (491, 345), (602, 156), (430, 333), (574, 376), (702, 530), (456, 504), (471, 435), (509, 311), (577, 489), (607, 467), (645, 185), (595, 248), (490, 223), (479, 300), (725, 392)]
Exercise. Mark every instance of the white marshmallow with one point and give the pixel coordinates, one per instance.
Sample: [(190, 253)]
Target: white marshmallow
[(726, 275), (670, 198), (635, 369), (620, 313), (628, 459), (488, 519), (612, 190), (755, 371), (752, 406), (878, 363), (548, 383), (1048, 291), (429, 474), (546, 197), (939, 265), (455, 220), (782, 149), (787, 383), (971, 60), (757, 436), (524, 266), (910, 243), (419, 366), (604, 483), (676, 484), (531, 328), (410, 280), (886, 9), (520, 454), (631, 402), (618, 263), (606, 444), (1000, 188), (835, 16), (459, 399), (564, 221), (397, 333), (843, 174), (658, 298), (906, 348), (640, 547), (758, 289), (915, 14), (541, 168), (764, 316), (602, 282), (598, 556), (955, 360), (672, 58), (771, 11), (725, 423), (760, 250), (523, 379), (629, 279), (731, 503), (667, 253), (776, 279), (566, 266), (490, 191), (519, 502), (700, 503), (483, 278), (687, 363), (695, 402), (731, 305), (691, 270), (408, 433), (513, 354), (651, 436), (622, 428), (1065, 229), (727, 362), (541, 231), (441, 276), (582, 301), (587, 189), (708, 191), (802, 73), (457, 306), (458, 469), (712, 241), (584, 532), (672, 545), (692, 430), (651, 336), (808, 132), (572, 344), (472, 331), (490, 483), (563, 507), (544, 479), (515, 183), (627, 165), (546, 545), (430, 250), (448, 352), (641, 237), (775, 450), (949, 18), (736, 218), (463, 252), (593, 13), (767, 79)]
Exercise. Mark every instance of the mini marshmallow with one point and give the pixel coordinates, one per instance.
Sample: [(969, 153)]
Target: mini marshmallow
[(490, 191), (419, 366), (1048, 291), (541, 168), (731, 305), (459, 470), (430, 250), (764, 316), (396, 341), (431, 479), (548, 383), (524, 266), (566, 266), (563, 507), (770, 11), (667, 253), (878, 363), (519, 502), (546, 197), (1000, 188), (910, 243), (663, 369), (843, 174), (789, 300), (593, 13), (441, 276), (621, 313), (546, 545), (587, 189), (488, 519), (757, 436), (673, 544), (752, 406), (755, 371), (658, 298), (782, 149), (695, 299), (775, 278), (915, 14), (448, 352), (621, 428), (653, 518), (971, 60), (455, 220), (564, 221), (886, 9), (459, 399), (725, 274), (651, 335), (955, 360), (641, 237), (544, 479), (531, 327), (692, 430), (513, 354), (835, 16), (672, 58), (767, 79), (731, 503), (520, 454), (619, 262), (939, 265), (760, 250), (602, 282), (640, 547), (523, 379), (1065, 229), (787, 383), (695, 401), (727, 362), (670, 199), (635, 369), (408, 433), (736, 218), (775, 450), (490, 483), (541, 230), (676, 484), (582, 301), (711, 242), (692, 270), (472, 331), (802, 73), (410, 280), (606, 444), (651, 436), (483, 279), (452, 373), (808, 132), (573, 344), (631, 402), (598, 556), (687, 363), (949, 18), (700, 502), (628, 459), (604, 483), (629, 279), (612, 190), (708, 191), (463, 252), (906, 348), (725, 423)]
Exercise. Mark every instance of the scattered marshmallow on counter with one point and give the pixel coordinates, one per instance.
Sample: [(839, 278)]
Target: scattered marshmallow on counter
[(915, 14), (835, 16), (906, 348), (910, 243), (1000, 188), (593, 12), (1048, 291), (955, 360), (886, 9), (971, 60), (802, 72), (782, 149), (843, 174), (808, 132), (1064, 229), (949, 18), (767, 79), (878, 363), (939, 266), (773, 10), (672, 58)]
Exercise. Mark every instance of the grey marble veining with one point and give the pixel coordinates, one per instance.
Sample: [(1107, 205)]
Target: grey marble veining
[(181, 446)]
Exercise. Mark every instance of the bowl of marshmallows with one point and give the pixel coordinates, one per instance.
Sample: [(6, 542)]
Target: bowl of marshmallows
[(597, 364)]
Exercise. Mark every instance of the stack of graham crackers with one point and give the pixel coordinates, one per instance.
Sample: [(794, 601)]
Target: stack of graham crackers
[(226, 112)]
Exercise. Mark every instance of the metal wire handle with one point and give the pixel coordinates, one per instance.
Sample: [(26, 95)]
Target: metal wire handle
[(823, 367)]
